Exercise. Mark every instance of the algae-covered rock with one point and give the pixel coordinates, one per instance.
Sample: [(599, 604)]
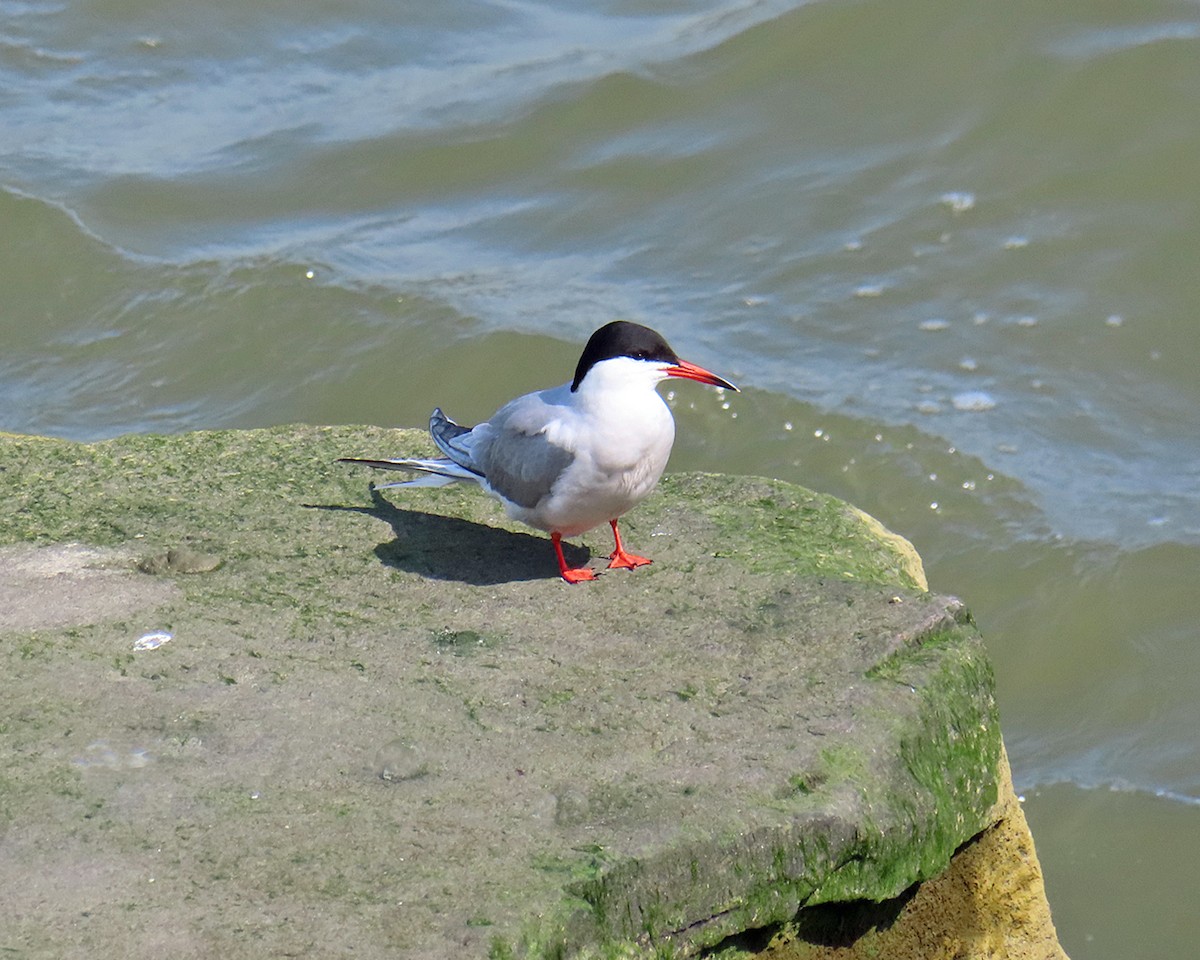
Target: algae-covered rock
[(384, 726)]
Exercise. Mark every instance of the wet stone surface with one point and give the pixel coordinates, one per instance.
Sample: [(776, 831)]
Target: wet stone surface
[(382, 725)]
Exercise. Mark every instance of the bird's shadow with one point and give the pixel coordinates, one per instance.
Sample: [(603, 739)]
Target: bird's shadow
[(450, 548)]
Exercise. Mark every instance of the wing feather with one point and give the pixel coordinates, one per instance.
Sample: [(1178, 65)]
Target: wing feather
[(517, 457)]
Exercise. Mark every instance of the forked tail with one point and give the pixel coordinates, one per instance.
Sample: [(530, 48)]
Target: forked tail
[(458, 464), (434, 472)]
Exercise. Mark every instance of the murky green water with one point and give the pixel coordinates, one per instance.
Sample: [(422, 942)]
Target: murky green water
[(948, 250)]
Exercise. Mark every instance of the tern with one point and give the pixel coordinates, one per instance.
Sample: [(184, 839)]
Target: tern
[(571, 457)]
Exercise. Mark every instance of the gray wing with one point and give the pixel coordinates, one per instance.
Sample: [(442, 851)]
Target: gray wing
[(454, 440), (517, 460)]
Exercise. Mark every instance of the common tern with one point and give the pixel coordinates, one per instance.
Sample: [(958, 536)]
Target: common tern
[(569, 458)]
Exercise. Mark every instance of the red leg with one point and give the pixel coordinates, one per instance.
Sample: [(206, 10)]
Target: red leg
[(571, 576), (619, 558)]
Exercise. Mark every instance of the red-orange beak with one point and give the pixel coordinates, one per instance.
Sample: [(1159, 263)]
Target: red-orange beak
[(689, 371)]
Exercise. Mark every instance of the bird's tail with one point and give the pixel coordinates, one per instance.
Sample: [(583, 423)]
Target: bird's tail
[(435, 472)]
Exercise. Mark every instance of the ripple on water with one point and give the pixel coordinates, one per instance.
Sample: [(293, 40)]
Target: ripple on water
[(973, 401)]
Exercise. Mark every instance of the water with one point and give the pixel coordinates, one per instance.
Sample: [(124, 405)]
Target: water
[(948, 251)]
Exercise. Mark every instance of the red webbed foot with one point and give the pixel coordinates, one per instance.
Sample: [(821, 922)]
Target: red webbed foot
[(619, 559), (570, 574)]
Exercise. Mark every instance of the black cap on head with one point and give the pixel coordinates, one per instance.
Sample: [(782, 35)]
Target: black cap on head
[(622, 339)]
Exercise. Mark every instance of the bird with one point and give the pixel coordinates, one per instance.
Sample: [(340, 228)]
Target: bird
[(572, 457)]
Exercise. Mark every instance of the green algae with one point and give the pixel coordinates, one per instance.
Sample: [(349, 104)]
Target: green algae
[(915, 809), (777, 527)]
